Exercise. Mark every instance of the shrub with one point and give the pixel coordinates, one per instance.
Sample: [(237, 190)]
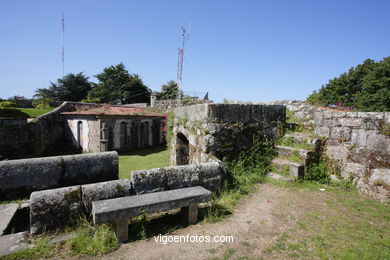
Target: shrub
[(7, 104), (42, 103)]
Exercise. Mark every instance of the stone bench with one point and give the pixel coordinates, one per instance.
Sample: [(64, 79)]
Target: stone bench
[(120, 210)]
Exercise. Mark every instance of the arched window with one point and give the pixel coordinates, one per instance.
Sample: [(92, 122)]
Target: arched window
[(80, 134)]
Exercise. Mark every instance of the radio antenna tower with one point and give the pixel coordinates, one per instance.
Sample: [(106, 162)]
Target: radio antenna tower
[(63, 45), (185, 35)]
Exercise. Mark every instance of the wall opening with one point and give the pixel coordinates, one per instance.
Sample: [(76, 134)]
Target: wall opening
[(123, 136), (182, 150), (80, 134)]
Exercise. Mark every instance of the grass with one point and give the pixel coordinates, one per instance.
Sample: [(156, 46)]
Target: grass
[(34, 112), (355, 227), (89, 240), (154, 157)]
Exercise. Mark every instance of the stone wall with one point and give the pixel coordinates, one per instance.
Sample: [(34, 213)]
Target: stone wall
[(38, 135), (360, 141), (203, 133), (51, 209), (18, 178), (169, 105)]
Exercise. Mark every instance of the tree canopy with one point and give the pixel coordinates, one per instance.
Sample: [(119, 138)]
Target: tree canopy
[(365, 87), (117, 86), (169, 90), (72, 87)]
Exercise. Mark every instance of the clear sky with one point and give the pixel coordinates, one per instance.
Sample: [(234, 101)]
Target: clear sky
[(241, 50)]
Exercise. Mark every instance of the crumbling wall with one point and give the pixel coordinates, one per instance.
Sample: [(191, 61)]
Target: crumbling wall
[(214, 131), (51, 209), (18, 178), (360, 141)]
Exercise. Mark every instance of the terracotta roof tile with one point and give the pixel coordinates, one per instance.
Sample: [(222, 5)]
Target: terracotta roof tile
[(116, 111)]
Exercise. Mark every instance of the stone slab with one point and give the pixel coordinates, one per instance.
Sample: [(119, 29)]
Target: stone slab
[(52, 209), (121, 208), (18, 178), (278, 177), (89, 168), (380, 177), (104, 190), (13, 242), (7, 212)]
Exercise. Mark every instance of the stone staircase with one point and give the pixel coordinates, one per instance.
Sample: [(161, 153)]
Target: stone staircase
[(296, 151)]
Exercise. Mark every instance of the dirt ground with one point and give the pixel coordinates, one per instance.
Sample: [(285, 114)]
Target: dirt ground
[(256, 223)]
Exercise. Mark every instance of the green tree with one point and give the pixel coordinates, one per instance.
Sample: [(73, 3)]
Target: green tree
[(169, 90), (365, 87), (116, 85), (72, 87)]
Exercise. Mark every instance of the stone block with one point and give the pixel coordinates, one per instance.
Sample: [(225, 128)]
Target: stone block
[(378, 142), (351, 122), (146, 181), (322, 131), (182, 176), (380, 177), (337, 152), (359, 137), (353, 170), (13, 242), (370, 158), (51, 209), (18, 178), (342, 134), (297, 170), (7, 212), (90, 168), (104, 190)]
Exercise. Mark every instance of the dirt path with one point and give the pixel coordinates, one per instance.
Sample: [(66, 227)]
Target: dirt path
[(256, 223)]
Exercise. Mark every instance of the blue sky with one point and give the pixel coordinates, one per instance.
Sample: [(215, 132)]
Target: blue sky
[(240, 50)]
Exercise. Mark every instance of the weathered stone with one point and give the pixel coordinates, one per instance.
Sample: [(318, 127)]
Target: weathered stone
[(297, 170), (18, 178), (370, 158), (146, 181), (104, 211), (13, 242), (359, 137), (337, 152), (351, 122), (182, 176), (104, 190), (342, 134), (278, 177), (322, 131), (353, 170), (7, 212), (51, 209), (378, 142), (90, 168), (380, 177)]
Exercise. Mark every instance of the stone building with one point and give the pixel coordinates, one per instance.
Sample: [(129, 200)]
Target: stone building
[(110, 128)]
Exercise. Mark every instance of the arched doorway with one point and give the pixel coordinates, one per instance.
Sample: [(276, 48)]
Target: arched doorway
[(80, 134), (182, 150), (123, 136)]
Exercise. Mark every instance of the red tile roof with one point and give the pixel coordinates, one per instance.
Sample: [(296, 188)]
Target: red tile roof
[(116, 111)]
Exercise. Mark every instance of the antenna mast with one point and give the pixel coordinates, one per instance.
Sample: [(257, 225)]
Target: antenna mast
[(185, 34), (63, 45)]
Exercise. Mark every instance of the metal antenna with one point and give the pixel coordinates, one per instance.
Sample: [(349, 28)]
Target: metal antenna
[(63, 45), (185, 35)]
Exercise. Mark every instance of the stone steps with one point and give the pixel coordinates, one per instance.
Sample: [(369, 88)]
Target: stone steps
[(287, 151), (278, 177), (293, 168)]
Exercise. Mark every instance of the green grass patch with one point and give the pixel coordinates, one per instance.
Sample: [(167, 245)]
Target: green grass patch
[(154, 157), (35, 112)]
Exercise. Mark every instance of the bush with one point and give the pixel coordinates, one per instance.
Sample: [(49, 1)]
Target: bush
[(7, 104), (43, 103)]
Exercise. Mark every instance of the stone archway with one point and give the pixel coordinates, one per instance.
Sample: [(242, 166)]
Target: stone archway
[(182, 149)]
